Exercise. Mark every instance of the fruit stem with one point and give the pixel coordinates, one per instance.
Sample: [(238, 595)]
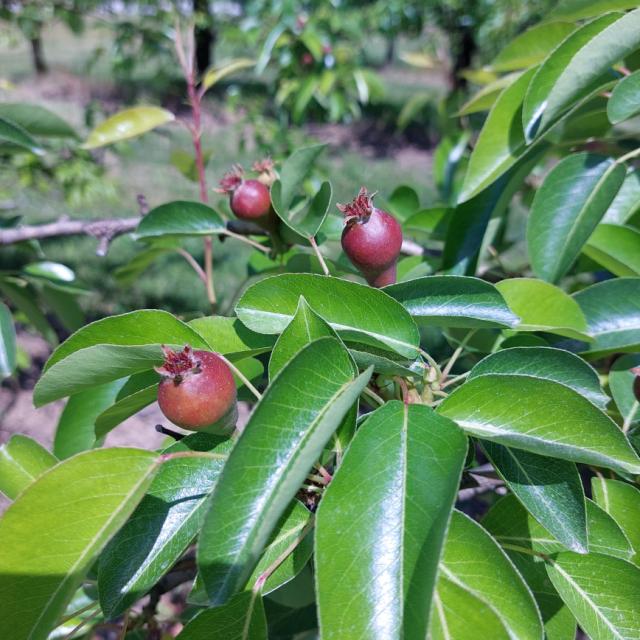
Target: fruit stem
[(456, 354), (193, 263), (169, 432), (373, 395), (455, 379), (242, 377), (316, 249), (431, 361), (264, 576), (248, 241), (82, 624)]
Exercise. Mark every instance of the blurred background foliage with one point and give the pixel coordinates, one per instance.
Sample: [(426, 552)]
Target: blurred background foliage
[(380, 80)]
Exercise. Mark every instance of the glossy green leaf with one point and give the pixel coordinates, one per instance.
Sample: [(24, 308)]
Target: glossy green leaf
[(94, 366), (381, 555), (53, 533), (627, 200), (124, 408), (621, 385), (540, 416), (7, 342), (616, 248), (622, 502), (453, 301), (76, 427), (473, 561), (293, 172), (355, 311), (180, 218), (469, 220), (126, 124), (550, 489), (546, 363), (576, 68), (15, 135), (305, 216), (532, 46), (602, 593), (612, 310), (231, 338), (242, 618), (403, 202), (459, 615), (501, 140), (567, 208), (486, 97), (22, 460), (428, 222), (288, 532), (300, 410), (580, 9), (544, 307), (37, 120), (24, 297), (305, 327), (162, 526), (517, 530), (624, 101), (136, 328), (213, 75)]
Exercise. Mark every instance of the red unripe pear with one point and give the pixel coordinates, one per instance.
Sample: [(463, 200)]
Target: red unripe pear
[(372, 238), (248, 199), (197, 391)]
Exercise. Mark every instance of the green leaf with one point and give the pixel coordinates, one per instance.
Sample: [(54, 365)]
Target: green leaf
[(431, 222), (24, 298), (459, 615), (567, 208), (242, 618), (7, 342), (577, 67), (622, 502), (542, 417), (473, 561), (163, 525), (486, 97), (612, 310), (22, 460), (616, 248), (291, 526), (551, 490), (294, 170), (517, 530), (231, 338), (123, 408), (144, 327), (180, 218), (381, 556), (53, 533), (621, 385), (306, 216), (305, 327), (623, 103), (601, 591), (548, 364), (295, 418), (95, 366), (403, 202), (532, 47), (15, 135), (453, 301), (627, 200), (129, 272), (501, 140), (213, 75), (76, 431), (126, 124), (355, 311), (581, 9), (37, 120), (544, 307)]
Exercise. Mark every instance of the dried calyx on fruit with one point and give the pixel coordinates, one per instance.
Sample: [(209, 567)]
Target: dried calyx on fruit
[(266, 171), (197, 391), (248, 199), (372, 239)]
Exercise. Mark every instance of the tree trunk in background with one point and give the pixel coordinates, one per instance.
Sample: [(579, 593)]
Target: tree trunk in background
[(205, 35), (391, 50), (37, 54), (464, 48)]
